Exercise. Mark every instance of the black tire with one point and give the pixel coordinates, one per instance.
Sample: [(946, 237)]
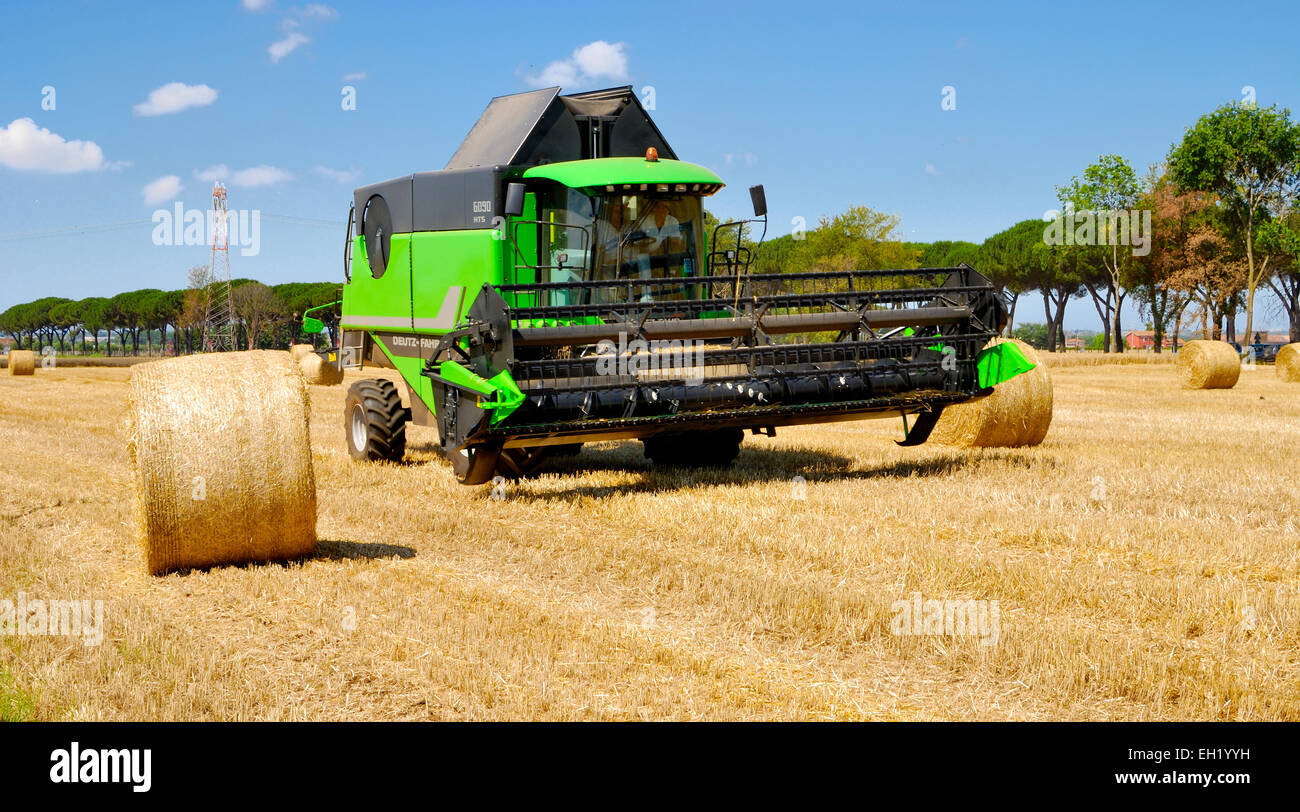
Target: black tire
[(374, 421), (700, 449)]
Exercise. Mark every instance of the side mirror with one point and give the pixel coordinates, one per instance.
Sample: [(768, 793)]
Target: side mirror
[(759, 200), (514, 199)]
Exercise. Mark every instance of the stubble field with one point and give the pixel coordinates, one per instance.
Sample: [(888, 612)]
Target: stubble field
[(1144, 560)]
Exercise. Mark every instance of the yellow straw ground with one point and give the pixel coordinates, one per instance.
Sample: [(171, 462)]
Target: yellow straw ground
[(1145, 560)]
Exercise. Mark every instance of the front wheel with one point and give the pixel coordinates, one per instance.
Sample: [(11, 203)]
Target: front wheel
[(375, 421)]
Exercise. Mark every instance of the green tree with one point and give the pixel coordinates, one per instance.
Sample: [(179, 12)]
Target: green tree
[(1280, 239), (257, 307), (1019, 259), (299, 297), (94, 317), (196, 306), (1152, 276), (1109, 189), (1250, 157), (1035, 335), (64, 319), (947, 253), (123, 314), (774, 256), (858, 239), (12, 322)]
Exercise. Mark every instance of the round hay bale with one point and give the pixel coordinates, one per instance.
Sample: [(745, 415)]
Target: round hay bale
[(221, 460), (318, 371), (1288, 363), (301, 351), (22, 362), (1208, 365), (1018, 413)]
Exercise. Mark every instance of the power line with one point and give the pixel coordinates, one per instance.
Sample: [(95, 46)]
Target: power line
[(100, 228), (305, 221), (86, 229)]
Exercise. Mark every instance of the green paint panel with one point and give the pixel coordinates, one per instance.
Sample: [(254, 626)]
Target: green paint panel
[(607, 171), (501, 394), (409, 369), (388, 297), (444, 260), (1001, 363), (451, 268), (432, 279)]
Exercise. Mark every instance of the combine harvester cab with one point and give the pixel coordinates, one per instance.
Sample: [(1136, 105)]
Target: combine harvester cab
[(554, 285)]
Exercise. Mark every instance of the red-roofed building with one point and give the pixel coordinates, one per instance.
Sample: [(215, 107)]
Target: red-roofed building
[(1146, 340)]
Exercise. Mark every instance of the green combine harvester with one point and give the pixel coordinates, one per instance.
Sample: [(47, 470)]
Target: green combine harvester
[(555, 285)]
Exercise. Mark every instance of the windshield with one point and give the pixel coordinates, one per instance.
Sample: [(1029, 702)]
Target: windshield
[(622, 237)]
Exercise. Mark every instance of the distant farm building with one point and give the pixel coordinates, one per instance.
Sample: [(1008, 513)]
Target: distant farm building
[(1146, 340)]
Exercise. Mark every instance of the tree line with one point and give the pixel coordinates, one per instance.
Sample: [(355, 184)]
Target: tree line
[(169, 321), (1192, 242)]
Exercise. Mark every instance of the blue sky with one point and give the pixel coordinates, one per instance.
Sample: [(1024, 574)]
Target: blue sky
[(828, 105)]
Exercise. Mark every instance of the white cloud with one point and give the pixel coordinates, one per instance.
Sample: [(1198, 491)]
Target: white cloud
[(174, 97), (23, 145), (262, 175), (213, 173), (594, 61), (601, 60), (255, 5), (563, 73), (291, 22), (354, 77), (340, 175), (317, 11), (283, 47), (931, 169), (162, 190)]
